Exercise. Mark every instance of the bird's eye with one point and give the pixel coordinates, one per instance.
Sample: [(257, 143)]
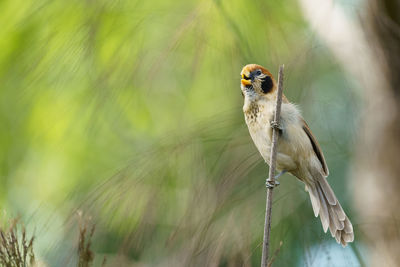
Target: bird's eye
[(245, 77), (258, 72)]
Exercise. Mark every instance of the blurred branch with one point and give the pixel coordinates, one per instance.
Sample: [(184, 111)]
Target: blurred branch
[(271, 179), (275, 254)]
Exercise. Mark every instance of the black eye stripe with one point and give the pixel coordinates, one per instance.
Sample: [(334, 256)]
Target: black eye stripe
[(266, 84), (245, 77)]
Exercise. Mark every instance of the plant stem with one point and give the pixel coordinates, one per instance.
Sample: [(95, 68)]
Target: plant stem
[(271, 179)]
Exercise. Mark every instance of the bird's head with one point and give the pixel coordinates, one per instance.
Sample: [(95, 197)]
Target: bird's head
[(257, 81)]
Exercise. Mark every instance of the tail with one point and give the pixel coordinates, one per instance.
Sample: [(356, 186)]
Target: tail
[(325, 203)]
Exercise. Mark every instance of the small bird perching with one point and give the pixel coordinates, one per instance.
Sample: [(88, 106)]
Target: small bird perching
[(301, 154), (271, 179)]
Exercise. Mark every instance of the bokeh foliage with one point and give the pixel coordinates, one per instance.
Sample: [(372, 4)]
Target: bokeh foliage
[(130, 111)]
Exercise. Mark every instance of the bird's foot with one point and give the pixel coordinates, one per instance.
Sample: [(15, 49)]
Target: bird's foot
[(271, 184), (275, 125)]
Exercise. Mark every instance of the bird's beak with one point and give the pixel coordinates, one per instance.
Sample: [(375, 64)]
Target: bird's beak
[(245, 80)]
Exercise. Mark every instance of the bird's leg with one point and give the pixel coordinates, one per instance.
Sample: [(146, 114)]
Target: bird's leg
[(280, 174), (271, 184)]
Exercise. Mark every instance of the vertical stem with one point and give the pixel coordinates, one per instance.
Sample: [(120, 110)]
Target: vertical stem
[(271, 179)]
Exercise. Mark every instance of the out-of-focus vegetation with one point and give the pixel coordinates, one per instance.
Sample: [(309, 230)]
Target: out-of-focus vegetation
[(16, 248), (130, 112)]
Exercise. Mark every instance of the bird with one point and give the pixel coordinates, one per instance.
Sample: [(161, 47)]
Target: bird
[(298, 151)]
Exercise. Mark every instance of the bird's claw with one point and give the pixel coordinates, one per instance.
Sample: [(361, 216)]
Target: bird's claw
[(271, 184), (275, 125)]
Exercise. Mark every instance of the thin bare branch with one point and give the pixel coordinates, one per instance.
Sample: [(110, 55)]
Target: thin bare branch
[(271, 179)]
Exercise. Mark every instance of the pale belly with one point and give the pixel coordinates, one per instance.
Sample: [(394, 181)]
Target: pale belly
[(262, 139), (295, 151), (289, 142)]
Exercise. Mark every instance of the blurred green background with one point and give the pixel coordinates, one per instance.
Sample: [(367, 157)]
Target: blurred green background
[(129, 112)]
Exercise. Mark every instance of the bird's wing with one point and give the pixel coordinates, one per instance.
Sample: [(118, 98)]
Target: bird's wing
[(316, 147)]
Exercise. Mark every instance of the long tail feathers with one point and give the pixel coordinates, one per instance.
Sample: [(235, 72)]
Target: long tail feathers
[(326, 205)]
